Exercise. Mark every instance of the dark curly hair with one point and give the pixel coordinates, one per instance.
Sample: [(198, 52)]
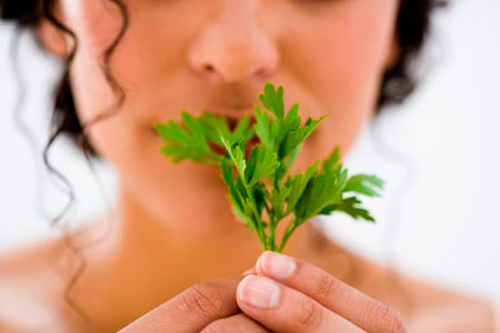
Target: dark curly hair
[(413, 25)]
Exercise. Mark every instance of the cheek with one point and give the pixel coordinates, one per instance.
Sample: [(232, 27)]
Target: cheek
[(135, 65), (341, 65)]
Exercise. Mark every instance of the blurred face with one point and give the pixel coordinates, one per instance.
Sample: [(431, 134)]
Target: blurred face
[(328, 55)]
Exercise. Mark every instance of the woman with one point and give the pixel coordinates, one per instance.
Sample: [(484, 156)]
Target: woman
[(132, 63)]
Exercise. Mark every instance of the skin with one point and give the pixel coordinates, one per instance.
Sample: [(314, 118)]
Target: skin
[(173, 228)]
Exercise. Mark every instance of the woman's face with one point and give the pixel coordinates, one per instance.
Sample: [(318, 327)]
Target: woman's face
[(329, 55)]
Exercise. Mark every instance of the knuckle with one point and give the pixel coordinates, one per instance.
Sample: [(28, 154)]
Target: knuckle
[(325, 286), (204, 299), (311, 315), (389, 321)]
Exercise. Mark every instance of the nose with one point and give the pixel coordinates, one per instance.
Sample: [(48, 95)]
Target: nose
[(233, 47)]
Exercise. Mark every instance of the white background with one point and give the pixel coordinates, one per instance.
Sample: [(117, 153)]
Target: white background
[(439, 155)]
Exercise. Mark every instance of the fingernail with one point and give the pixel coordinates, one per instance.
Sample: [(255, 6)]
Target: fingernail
[(258, 292), (277, 265)]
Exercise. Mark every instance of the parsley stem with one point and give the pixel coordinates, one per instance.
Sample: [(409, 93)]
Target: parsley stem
[(260, 233), (272, 231), (288, 232), (263, 237), (258, 220)]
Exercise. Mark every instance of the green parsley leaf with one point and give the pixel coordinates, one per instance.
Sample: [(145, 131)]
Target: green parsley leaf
[(259, 185), (365, 184), (262, 164)]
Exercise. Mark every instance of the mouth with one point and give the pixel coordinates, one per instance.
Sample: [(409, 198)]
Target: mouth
[(232, 124), (248, 147), (252, 143)]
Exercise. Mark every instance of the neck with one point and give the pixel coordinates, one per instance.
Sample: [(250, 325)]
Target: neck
[(143, 231), (149, 262), (140, 238)]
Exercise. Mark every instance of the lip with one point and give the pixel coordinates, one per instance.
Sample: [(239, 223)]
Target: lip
[(248, 147), (232, 118), (232, 121)]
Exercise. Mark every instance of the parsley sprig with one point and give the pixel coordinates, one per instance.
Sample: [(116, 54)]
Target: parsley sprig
[(262, 191)]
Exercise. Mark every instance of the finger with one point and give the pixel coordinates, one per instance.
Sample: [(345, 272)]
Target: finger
[(329, 291), (191, 310), (239, 323), (283, 309), (251, 270)]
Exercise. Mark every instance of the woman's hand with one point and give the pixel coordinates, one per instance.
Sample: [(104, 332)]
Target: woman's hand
[(209, 306), (289, 295), (304, 298)]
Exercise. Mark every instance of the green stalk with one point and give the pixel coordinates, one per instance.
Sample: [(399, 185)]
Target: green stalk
[(272, 231), (241, 174), (260, 229), (260, 232), (288, 232)]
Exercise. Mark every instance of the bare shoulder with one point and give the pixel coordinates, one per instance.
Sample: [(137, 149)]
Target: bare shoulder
[(27, 257), (48, 261), (32, 281)]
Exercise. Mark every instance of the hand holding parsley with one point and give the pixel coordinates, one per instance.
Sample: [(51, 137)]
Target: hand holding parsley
[(261, 182)]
